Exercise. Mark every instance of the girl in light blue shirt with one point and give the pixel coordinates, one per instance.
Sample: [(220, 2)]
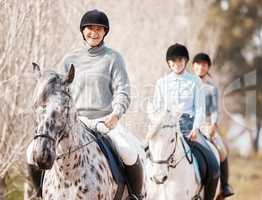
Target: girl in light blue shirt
[(181, 92)]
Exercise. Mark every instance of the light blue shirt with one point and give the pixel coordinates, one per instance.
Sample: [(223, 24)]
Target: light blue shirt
[(211, 94), (181, 93)]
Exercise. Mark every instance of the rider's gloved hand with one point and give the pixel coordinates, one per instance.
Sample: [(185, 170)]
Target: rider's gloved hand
[(193, 135), (212, 131)]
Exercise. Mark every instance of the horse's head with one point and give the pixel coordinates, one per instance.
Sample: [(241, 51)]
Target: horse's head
[(52, 108), (162, 139)]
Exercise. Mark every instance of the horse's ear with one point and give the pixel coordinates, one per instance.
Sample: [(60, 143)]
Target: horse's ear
[(36, 69), (70, 75)]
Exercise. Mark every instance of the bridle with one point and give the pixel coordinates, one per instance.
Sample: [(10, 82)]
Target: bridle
[(63, 128), (169, 161), (170, 158), (70, 150)]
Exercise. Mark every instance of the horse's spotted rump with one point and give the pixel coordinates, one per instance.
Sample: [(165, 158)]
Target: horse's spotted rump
[(83, 189), (79, 196), (99, 196), (98, 189), (92, 168), (98, 177), (66, 185), (101, 167), (98, 150)]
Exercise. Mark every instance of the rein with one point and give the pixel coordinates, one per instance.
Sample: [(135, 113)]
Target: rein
[(48, 136), (92, 133), (166, 161), (170, 158)]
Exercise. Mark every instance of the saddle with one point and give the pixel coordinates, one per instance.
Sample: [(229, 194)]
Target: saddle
[(115, 163), (208, 168)]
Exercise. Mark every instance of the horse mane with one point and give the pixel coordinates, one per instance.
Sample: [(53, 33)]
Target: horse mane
[(163, 118)]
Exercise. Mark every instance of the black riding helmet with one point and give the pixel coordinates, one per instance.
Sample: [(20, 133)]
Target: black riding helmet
[(202, 57), (94, 17), (175, 51)]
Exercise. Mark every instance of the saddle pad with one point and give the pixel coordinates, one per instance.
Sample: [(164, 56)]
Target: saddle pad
[(195, 162), (197, 170), (200, 164), (113, 159)]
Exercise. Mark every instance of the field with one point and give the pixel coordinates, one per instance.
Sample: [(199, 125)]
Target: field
[(246, 179)]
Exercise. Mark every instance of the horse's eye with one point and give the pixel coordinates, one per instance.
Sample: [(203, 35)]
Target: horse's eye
[(171, 141)]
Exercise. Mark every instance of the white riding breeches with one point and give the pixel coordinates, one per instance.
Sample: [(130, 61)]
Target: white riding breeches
[(124, 145), (124, 142)]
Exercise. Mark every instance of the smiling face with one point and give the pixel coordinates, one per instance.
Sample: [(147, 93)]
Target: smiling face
[(94, 34), (177, 65), (201, 68)]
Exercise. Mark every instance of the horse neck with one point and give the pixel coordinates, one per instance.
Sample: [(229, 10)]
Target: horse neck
[(78, 147), (74, 134)]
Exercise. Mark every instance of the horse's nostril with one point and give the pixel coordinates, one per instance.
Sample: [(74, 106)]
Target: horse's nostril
[(159, 179), (164, 178), (45, 165)]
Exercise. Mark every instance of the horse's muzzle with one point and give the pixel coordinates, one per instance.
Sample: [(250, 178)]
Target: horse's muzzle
[(44, 158)]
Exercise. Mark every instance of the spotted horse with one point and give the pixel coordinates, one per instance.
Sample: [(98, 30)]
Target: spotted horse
[(75, 167)]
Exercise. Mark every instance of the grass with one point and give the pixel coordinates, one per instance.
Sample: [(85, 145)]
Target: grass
[(14, 187)]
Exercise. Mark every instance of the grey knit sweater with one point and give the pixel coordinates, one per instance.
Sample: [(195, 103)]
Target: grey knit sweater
[(101, 84)]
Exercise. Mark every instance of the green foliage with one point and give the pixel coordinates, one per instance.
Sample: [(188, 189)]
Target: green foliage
[(239, 22), (14, 187)]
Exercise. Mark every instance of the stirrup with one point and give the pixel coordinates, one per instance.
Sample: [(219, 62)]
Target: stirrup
[(227, 191), (197, 197)]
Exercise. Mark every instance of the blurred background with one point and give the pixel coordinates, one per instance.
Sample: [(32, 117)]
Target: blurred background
[(230, 31)]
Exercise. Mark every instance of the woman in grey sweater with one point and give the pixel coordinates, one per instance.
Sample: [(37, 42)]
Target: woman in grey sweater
[(101, 90)]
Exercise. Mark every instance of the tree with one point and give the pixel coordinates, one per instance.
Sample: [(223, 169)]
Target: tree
[(239, 47), (28, 34)]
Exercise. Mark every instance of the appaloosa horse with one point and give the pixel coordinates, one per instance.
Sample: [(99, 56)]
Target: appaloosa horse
[(77, 167), (172, 175)]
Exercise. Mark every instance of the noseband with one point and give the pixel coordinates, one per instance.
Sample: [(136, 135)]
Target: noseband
[(170, 158)]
